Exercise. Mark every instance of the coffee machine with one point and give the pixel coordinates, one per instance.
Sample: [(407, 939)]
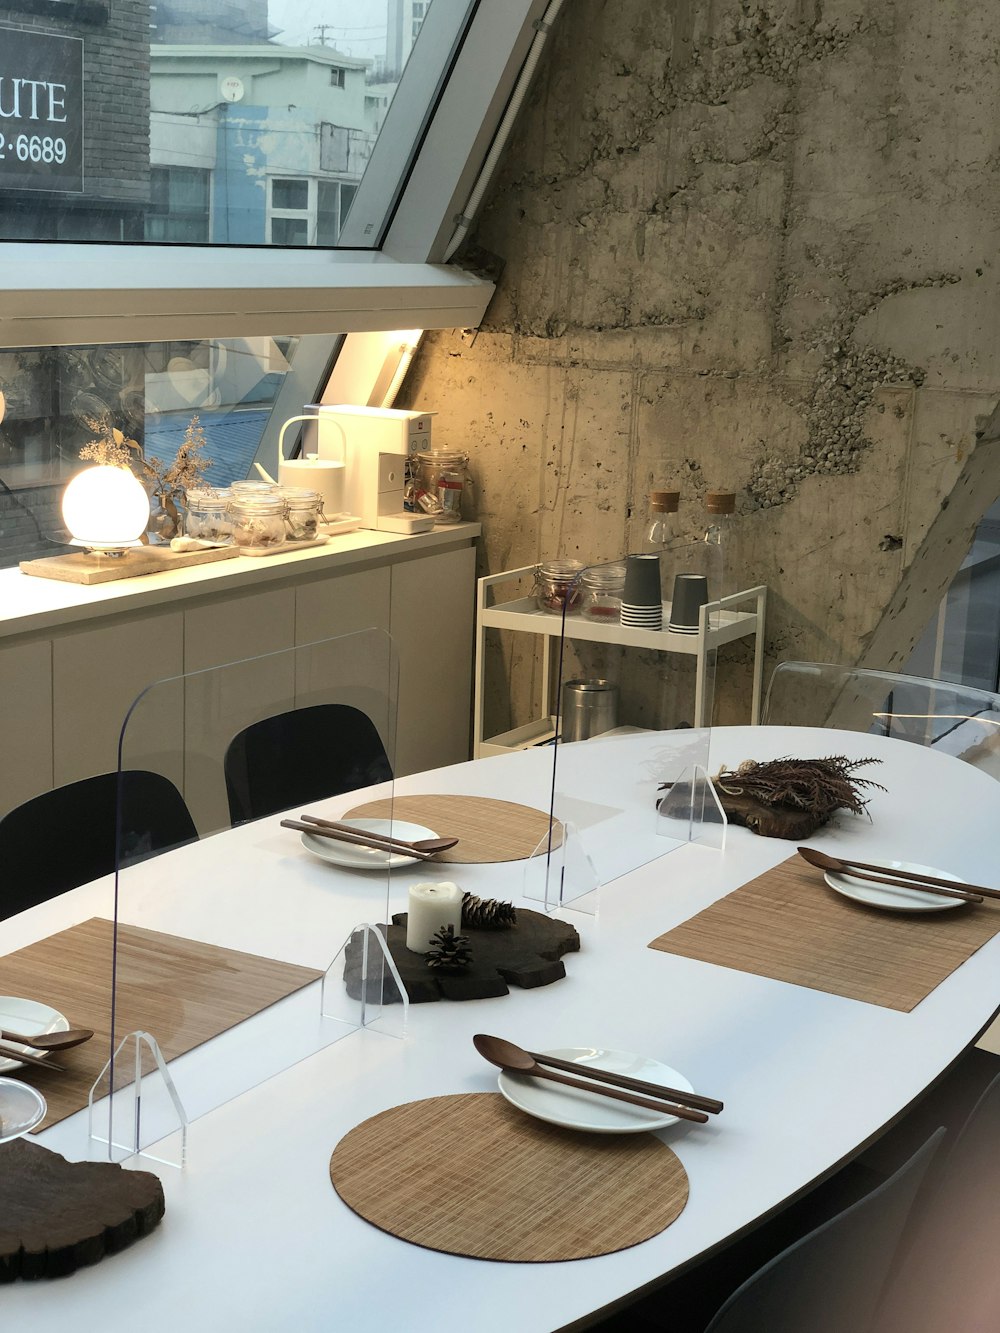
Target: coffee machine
[(374, 443)]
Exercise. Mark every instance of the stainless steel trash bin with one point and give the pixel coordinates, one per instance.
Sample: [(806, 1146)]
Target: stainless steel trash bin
[(589, 707)]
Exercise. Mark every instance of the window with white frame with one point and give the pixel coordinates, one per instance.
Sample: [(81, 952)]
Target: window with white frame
[(220, 109)]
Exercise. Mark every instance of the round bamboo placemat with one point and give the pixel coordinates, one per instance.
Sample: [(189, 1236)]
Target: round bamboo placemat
[(471, 1175), (487, 830)]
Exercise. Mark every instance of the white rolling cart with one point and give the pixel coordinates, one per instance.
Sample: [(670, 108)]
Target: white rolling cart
[(720, 622)]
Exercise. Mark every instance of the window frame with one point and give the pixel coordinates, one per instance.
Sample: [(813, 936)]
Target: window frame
[(56, 294)]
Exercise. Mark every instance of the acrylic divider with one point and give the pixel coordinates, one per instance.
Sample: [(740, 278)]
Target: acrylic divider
[(626, 796), (241, 946)]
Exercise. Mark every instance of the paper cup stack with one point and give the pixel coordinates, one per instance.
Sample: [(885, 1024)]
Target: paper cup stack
[(642, 605)]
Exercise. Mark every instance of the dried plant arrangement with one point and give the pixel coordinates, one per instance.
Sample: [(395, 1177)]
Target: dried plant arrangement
[(170, 482), (167, 483), (110, 447), (792, 798)]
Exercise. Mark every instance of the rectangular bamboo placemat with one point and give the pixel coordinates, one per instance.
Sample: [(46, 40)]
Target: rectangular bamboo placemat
[(180, 991), (788, 925)]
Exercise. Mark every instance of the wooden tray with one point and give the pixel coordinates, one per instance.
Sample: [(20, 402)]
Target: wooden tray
[(85, 567), (488, 830), (472, 1175), (527, 955), (59, 1215), (787, 924)]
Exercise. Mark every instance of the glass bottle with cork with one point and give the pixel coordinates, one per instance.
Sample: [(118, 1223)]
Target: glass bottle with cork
[(720, 506), (663, 534)]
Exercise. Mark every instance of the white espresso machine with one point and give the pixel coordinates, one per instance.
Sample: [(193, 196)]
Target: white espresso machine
[(374, 443)]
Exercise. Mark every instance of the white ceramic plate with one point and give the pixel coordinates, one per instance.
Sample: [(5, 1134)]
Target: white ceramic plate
[(21, 1108), (591, 1111), (31, 1018), (893, 899), (368, 858)]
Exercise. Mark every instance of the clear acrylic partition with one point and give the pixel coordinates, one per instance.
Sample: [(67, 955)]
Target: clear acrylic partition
[(955, 719), (637, 785), (232, 949)]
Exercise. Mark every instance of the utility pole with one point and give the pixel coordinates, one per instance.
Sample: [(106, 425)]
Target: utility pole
[(323, 29)]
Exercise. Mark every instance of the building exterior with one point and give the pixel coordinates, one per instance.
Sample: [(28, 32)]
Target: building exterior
[(404, 19), (75, 167), (256, 144)]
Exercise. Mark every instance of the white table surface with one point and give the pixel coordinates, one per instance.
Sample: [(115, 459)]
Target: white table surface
[(255, 1237)]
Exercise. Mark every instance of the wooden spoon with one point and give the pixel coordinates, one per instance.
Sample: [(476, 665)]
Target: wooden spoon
[(428, 845), (49, 1041), (831, 863), (505, 1055)]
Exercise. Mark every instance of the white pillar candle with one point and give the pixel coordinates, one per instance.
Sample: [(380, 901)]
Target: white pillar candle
[(432, 906)]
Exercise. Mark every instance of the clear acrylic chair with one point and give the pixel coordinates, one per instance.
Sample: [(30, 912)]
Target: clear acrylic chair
[(955, 719)]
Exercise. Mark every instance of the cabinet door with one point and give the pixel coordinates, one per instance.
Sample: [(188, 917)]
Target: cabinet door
[(250, 632), (25, 721), (346, 617), (97, 674), (431, 623)]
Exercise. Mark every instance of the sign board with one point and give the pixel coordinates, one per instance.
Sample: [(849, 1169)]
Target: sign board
[(41, 111)]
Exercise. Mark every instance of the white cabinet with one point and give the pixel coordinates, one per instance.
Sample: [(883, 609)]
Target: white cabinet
[(432, 618), (72, 660), (25, 720), (722, 622)]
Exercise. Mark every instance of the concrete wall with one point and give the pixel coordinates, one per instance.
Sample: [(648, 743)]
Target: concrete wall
[(751, 247)]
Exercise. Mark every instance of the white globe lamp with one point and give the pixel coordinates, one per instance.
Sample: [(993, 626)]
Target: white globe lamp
[(106, 509)]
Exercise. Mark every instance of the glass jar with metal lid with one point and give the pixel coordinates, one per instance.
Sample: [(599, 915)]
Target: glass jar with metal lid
[(557, 586), (208, 518), (258, 519), (442, 481), (601, 589), (303, 513)]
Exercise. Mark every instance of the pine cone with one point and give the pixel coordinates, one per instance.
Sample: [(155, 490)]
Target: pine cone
[(449, 952), (487, 913)]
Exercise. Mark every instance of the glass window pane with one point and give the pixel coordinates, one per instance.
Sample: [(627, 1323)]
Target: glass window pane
[(289, 194), (60, 398), (289, 231), (189, 106)]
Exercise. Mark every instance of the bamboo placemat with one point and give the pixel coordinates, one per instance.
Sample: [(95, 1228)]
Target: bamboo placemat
[(180, 991), (472, 1175), (787, 924), (487, 830)]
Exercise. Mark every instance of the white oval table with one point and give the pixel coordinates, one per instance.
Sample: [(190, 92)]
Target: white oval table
[(255, 1237)]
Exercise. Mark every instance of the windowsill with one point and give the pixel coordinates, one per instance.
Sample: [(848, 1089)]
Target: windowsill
[(29, 604)]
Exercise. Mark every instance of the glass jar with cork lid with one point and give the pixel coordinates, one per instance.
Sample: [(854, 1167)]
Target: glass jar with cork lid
[(442, 482)]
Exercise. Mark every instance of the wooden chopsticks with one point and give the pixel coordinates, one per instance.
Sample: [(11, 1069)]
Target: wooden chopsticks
[(691, 1099), (372, 840), (12, 1053), (910, 879)]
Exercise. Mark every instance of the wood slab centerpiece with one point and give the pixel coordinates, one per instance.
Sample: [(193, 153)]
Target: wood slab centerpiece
[(527, 952), (58, 1216)]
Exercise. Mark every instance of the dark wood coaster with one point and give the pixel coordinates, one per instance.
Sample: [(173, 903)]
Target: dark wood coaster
[(527, 955), (57, 1216)]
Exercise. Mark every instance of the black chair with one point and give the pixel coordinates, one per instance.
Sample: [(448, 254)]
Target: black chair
[(66, 836), (950, 1277), (831, 1280), (302, 755)]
